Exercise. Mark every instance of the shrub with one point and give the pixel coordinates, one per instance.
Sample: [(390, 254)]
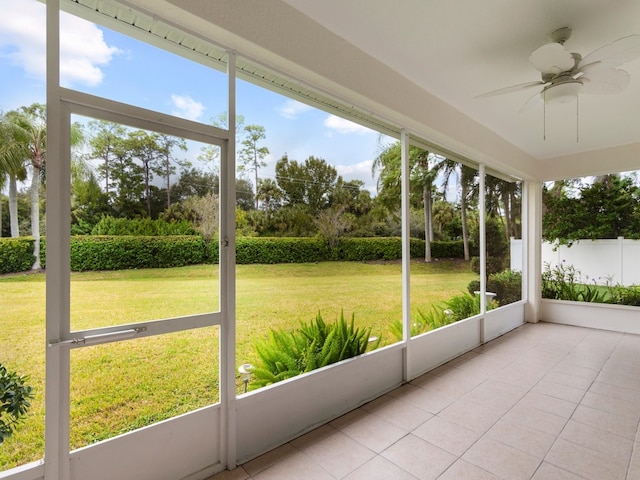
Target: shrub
[(371, 248), (314, 345), (622, 295), (16, 254), (447, 249), (280, 250), (126, 252), (109, 225), (435, 318), (456, 308), (494, 264), (114, 252), (507, 286), (14, 401), (464, 306)]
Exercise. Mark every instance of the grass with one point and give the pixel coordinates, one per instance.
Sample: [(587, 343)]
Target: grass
[(122, 386)]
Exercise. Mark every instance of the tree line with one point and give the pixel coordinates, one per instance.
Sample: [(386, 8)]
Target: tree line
[(121, 172)]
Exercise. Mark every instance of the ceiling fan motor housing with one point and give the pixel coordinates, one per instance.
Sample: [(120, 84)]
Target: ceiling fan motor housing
[(563, 92)]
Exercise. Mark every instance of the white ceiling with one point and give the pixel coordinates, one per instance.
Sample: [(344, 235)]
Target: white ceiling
[(458, 49)]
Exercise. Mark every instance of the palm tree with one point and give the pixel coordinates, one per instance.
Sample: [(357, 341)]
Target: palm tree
[(269, 193), (423, 170), (12, 165), (467, 182), (29, 142)]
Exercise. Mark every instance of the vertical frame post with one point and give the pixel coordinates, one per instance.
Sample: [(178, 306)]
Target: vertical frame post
[(406, 254), (57, 277), (533, 263), (227, 279), (483, 249)]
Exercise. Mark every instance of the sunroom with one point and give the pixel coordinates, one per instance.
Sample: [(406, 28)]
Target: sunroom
[(414, 72)]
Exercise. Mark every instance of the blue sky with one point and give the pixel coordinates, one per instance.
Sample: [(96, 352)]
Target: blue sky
[(102, 62)]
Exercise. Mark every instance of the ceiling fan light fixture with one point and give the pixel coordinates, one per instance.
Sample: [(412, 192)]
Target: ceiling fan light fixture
[(564, 92)]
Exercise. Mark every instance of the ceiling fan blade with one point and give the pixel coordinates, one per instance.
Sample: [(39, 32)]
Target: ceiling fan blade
[(604, 81), (612, 55), (552, 58), (531, 103), (512, 88)]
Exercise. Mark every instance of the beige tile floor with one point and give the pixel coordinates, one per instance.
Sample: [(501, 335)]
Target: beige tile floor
[(543, 402)]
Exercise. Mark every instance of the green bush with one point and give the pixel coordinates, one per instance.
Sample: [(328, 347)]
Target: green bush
[(455, 309), (114, 252), (126, 252), (494, 264), (16, 254), (447, 249), (371, 248), (109, 225), (15, 399), (507, 286), (212, 251), (280, 250), (314, 345), (622, 295), (433, 319)]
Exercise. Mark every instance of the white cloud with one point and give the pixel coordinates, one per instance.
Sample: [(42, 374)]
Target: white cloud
[(341, 125), (83, 51), (359, 171), (355, 170), (186, 107), (292, 108)]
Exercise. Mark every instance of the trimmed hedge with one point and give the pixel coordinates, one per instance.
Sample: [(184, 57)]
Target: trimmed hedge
[(125, 252), (441, 249), (280, 250), (16, 254)]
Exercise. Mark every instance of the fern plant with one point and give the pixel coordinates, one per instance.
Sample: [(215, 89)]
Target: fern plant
[(285, 354), (456, 308)]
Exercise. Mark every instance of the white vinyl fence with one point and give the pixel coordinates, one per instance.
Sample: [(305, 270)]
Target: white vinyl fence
[(616, 261)]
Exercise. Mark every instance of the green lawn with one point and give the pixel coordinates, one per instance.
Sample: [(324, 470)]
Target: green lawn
[(121, 386)]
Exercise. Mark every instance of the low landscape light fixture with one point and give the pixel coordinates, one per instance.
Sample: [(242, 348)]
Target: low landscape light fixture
[(245, 373)]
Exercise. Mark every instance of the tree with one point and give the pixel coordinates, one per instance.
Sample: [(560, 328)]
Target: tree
[(207, 214), (290, 176), (245, 199), (310, 183), (331, 224), (145, 147), (106, 144), (423, 169), (252, 156), (467, 187), (127, 181), (351, 197), (167, 144), (607, 208), (12, 166), (88, 201), (467, 181), (270, 195), (320, 182), (195, 183), (30, 135)]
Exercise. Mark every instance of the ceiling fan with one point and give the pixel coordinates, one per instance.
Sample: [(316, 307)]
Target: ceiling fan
[(566, 74)]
